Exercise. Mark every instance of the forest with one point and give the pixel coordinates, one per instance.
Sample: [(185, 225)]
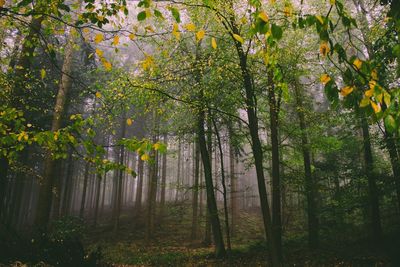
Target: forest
[(199, 133)]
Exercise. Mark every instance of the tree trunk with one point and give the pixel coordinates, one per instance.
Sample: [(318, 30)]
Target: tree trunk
[(395, 162), (178, 175), (310, 186), (211, 202), (195, 197), (376, 228), (234, 187), (139, 188), (163, 180), (84, 190)]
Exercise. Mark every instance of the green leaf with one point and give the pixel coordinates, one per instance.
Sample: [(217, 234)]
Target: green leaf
[(276, 31), (141, 16), (175, 14), (390, 123)]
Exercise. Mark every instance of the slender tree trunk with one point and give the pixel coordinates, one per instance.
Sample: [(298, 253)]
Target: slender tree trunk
[(139, 188), (224, 191), (68, 186), (97, 200), (275, 258), (45, 194), (163, 180), (234, 187), (84, 190), (395, 162), (211, 202), (178, 175), (207, 232), (195, 197), (310, 186), (376, 228)]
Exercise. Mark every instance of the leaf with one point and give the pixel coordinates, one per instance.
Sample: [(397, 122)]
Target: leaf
[(116, 40), (98, 38), (325, 78), (175, 31), (386, 98), (238, 38), (107, 65), (375, 107), (346, 90), (320, 19), (276, 31), (200, 35), (213, 43), (129, 121), (190, 27), (132, 36), (141, 16), (364, 102), (263, 16), (390, 123), (374, 74), (175, 14), (324, 48), (145, 157), (2, 2), (99, 52), (332, 2), (42, 73), (357, 63), (98, 95)]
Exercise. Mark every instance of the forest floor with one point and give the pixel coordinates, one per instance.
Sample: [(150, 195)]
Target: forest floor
[(171, 245)]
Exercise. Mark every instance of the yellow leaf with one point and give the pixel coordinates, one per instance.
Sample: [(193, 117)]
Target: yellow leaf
[(263, 16), (386, 99), (107, 65), (325, 78), (332, 2), (190, 27), (346, 90), (98, 95), (374, 74), (129, 122), (324, 48), (116, 40), (376, 107), (85, 30), (149, 28), (148, 13), (379, 98), (175, 31), (200, 35), (364, 102), (213, 43), (42, 73), (372, 84), (145, 157), (132, 36), (99, 52), (29, 125), (238, 38), (100, 18), (98, 38), (369, 92), (287, 11), (156, 146), (357, 63), (2, 2), (148, 63), (320, 19)]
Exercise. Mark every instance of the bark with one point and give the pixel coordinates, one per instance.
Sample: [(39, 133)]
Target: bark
[(395, 162), (376, 228), (224, 191), (178, 175), (163, 180), (195, 197), (211, 202), (276, 180), (207, 232), (139, 188), (45, 193), (97, 200), (310, 185), (275, 259), (85, 185)]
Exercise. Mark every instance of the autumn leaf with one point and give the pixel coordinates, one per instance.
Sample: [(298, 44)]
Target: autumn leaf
[(107, 65), (238, 38), (98, 95), (374, 74), (145, 157), (132, 36), (287, 11), (175, 31), (357, 63), (156, 146), (364, 102), (116, 40), (2, 2), (369, 92), (98, 38), (346, 90), (332, 2), (263, 16), (42, 73), (376, 107), (190, 27), (325, 78), (386, 99), (213, 43), (99, 52), (320, 19), (200, 35), (324, 48), (129, 121)]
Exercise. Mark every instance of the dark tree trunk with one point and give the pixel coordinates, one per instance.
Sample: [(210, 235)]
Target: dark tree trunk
[(139, 188), (163, 180), (195, 199), (84, 190)]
